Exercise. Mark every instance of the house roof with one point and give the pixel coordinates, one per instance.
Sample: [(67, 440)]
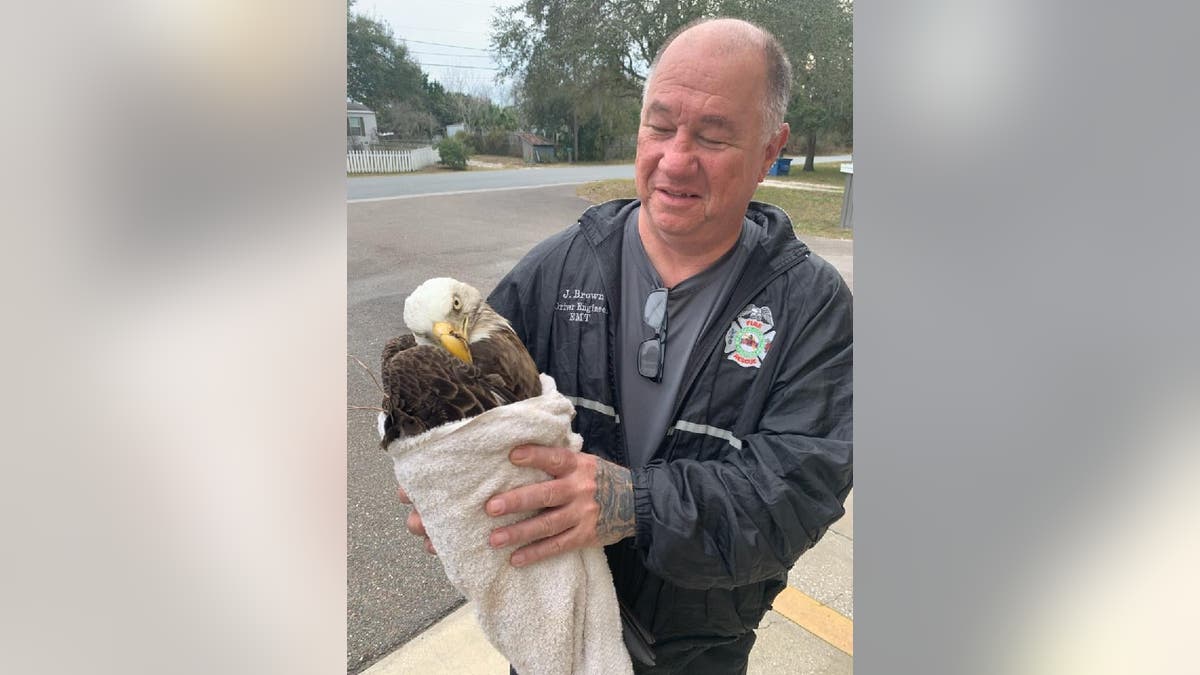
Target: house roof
[(357, 107), (533, 139)]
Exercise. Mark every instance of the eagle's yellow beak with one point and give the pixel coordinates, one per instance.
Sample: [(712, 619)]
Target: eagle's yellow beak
[(452, 340)]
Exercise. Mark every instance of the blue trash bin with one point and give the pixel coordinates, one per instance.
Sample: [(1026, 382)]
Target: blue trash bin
[(782, 167)]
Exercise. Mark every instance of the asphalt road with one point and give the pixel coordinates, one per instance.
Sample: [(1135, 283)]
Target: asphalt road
[(374, 187), (394, 589), (378, 187)]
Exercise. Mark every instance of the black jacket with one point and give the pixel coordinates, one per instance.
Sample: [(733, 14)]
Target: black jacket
[(758, 463)]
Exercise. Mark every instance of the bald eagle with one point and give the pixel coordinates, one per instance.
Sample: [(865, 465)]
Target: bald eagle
[(461, 359)]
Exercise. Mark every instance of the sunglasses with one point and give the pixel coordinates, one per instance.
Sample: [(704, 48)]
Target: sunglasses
[(652, 350)]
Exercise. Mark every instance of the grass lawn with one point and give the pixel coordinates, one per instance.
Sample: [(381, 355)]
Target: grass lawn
[(823, 174), (812, 213)]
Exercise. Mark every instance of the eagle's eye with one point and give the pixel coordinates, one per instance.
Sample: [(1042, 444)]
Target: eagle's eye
[(457, 303)]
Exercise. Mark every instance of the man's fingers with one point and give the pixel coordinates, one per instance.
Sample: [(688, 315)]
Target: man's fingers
[(542, 495), (544, 549), (554, 461), (542, 526), (415, 524)]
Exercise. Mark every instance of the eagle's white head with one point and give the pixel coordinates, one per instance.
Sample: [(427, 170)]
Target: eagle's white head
[(450, 313)]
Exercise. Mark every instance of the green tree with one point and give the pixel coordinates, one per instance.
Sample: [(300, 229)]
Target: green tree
[(819, 38), (377, 68), (407, 120), (568, 60), (470, 109), (577, 60), (438, 102), (381, 75)]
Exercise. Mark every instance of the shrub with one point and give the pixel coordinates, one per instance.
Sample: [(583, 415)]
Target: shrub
[(453, 153), (493, 142), (468, 142)]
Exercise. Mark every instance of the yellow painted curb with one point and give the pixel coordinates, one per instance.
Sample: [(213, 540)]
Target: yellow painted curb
[(820, 620)]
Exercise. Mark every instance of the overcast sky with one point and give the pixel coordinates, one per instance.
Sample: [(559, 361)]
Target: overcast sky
[(460, 28)]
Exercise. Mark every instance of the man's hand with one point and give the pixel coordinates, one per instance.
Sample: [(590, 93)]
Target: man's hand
[(588, 502), (414, 523)]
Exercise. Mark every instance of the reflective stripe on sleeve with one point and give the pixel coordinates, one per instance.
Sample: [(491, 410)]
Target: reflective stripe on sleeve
[(722, 434), (594, 405)]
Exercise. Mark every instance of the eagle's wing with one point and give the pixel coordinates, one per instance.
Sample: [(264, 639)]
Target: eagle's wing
[(427, 387), (503, 354), (397, 344)]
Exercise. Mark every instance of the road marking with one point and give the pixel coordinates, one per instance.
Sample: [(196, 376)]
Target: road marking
[(816, 618), (463, 192)]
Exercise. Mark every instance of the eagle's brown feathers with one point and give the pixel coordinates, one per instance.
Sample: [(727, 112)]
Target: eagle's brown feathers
[(461, 359), (518, 369), (426, 387)]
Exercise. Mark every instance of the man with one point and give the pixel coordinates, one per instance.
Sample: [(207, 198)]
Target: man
[(708, 355)]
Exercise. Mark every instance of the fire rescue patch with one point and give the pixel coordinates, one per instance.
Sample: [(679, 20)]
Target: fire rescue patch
[(750, 336)]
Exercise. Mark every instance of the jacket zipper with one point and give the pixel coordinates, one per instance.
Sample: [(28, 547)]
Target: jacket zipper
[(697, 357), (621, 451), (619, 428), (693, 360)]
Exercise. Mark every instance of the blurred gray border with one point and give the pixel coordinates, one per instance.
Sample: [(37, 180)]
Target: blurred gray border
[(1026, 313), (1025, 244)]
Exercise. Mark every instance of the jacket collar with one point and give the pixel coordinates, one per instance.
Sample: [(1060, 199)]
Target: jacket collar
[(603, 225)]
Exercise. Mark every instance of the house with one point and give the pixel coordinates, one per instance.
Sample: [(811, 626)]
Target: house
[(535, 149), (453, 129), (361, 128)]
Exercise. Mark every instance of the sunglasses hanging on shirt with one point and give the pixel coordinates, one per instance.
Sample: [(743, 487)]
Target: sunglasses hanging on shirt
[(652, 350)]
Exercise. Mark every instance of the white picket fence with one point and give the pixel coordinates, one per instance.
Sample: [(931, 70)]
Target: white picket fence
[(390, 161)]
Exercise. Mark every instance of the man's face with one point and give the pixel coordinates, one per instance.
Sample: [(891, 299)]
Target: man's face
[(701, 151)]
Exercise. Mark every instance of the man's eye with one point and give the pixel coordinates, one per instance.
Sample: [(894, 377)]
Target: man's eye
[(712, 142)]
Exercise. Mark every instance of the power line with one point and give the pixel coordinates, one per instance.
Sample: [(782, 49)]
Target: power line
[(488, 5), (442, 44), (442, 30), (460, 56), (447, 65)]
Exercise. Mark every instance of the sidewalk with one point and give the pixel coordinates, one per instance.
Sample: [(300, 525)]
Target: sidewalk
[(808, 632), (811, 187)]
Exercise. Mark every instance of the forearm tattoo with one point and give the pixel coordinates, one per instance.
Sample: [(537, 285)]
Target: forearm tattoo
[(614, 494)]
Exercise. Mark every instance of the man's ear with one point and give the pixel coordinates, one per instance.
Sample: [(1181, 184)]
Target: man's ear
[(774, 147)]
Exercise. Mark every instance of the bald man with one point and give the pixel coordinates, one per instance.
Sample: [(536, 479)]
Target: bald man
[(708, 353)]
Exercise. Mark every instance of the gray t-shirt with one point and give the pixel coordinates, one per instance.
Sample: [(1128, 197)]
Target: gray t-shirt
[(646, 405)]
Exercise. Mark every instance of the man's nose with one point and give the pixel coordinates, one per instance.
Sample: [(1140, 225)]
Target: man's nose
[(679, 156)]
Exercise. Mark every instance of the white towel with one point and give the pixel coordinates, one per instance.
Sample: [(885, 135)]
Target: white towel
[(556, 616)]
